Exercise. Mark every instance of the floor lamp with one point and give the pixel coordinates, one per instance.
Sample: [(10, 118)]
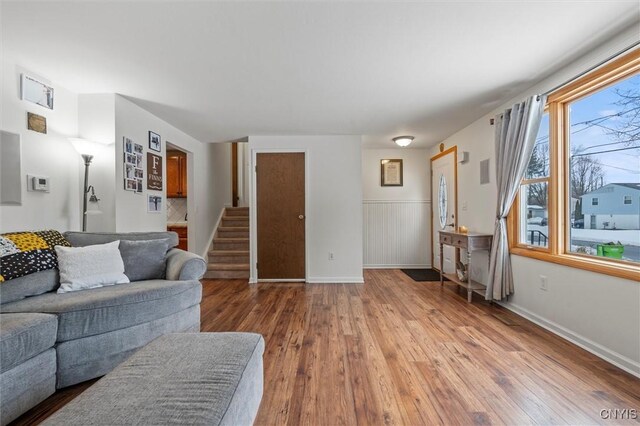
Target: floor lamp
[(87, 150)]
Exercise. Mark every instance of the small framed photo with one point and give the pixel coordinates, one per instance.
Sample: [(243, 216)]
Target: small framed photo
[(391, 172), (35, 91), (154, 204), (130, 185), (154, 142), (129, 171), (128, 145), (138, 148), (138, 186), (139, 173)]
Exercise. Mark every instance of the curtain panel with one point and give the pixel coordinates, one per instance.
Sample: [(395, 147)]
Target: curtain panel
[(516, 131)]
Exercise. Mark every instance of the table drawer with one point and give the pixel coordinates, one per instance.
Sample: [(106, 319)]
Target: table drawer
[(446, 239)]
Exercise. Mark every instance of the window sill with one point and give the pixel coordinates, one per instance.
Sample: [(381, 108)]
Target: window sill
[(593, 264)]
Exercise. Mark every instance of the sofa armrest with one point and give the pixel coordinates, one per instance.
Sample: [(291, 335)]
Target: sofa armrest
[(183, 265)]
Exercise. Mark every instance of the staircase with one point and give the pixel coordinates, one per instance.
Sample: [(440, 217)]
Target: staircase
[(229, 254)]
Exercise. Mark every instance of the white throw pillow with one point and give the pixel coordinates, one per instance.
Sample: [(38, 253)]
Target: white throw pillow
[(90, 267)]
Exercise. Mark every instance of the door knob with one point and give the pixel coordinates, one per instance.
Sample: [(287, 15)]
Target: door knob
[(301, 217)]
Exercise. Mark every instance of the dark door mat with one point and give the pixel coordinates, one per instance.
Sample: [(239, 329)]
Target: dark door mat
[(423, 274)]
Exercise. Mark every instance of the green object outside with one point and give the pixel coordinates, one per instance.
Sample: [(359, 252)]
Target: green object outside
[(613, 251)]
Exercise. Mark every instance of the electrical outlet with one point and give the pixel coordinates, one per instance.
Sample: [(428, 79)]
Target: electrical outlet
[(543, 282), (464, 206), (330, 256)]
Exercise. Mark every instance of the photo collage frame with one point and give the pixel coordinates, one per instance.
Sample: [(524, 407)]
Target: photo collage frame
[(133, 171)]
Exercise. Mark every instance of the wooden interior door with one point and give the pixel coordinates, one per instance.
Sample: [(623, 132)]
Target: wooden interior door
[(280, 192), (444, 206)]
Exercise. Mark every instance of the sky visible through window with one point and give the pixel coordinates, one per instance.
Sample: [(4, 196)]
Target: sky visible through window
[(606, 124)]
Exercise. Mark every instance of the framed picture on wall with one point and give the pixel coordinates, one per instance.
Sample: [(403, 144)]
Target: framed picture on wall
[(154, 142), (154, 204), (35, 91), (391, 172)]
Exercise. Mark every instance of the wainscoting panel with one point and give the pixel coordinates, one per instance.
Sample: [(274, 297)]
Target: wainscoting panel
[(397, 234)]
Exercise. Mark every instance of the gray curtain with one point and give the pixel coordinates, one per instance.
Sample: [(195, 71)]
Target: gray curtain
[(516, 131)]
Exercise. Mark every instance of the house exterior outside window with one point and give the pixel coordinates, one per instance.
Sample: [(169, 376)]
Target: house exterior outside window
[(616, 211)]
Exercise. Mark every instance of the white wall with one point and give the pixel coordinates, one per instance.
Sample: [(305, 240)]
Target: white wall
[(47, 155), (208, 166), (397, 219), (334, 204), (599, 312)]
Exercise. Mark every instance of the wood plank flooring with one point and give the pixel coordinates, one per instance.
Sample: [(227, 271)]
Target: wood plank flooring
[(395, 351)]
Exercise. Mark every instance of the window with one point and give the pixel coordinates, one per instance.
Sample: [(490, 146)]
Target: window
[(534, 202), (572, 208)]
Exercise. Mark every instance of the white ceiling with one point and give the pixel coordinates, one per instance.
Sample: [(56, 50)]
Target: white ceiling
[(221, 71)]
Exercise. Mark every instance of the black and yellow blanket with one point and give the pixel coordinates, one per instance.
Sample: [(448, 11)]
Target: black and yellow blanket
[(23, 253)]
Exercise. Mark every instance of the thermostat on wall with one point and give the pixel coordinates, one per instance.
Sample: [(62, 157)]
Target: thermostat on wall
[(38, 183)]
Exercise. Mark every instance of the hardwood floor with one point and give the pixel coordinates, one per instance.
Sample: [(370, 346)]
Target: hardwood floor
[(395, 351)]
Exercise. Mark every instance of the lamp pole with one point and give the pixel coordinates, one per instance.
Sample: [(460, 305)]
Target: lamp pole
[(85, 191)]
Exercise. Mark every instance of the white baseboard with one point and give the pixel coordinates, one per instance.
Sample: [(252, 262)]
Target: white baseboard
[(620, 361), (205, 255), (335, 280), (285, 280), (397, 266)]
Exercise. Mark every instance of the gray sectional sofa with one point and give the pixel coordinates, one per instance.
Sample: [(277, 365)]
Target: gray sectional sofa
[(50, 340)]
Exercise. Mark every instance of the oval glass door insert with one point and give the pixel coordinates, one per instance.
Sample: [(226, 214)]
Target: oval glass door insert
[(442, 201)]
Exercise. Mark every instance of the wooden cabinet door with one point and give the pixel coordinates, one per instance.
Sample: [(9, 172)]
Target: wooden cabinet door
[(173, 175), (183, 175)]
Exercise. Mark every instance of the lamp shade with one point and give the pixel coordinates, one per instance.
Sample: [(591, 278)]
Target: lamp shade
[(86, 147), (403, 140)]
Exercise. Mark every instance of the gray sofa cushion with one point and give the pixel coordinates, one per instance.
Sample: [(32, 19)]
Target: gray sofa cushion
[(90, 312), (191, 379), (83, 359), (23, 336), (29, 285), (144, 259), (81, 239), (26, 385)]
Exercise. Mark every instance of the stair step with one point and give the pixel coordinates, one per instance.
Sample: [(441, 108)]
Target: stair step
[(226, 275), (231, 244), (237, 211), (229, 256), (228, 267), (233, 231), (228, 252), (235, 221)]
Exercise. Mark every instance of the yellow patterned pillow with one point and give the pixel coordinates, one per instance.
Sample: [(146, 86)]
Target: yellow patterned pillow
[(23, 253)]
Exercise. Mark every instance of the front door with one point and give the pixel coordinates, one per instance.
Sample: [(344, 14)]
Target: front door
[(280, 192), (443, 205)]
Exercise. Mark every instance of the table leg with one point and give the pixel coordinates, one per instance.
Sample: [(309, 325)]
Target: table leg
[(469, 290), (441, 264)]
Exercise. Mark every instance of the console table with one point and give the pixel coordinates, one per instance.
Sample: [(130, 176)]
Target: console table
[(470, 242)]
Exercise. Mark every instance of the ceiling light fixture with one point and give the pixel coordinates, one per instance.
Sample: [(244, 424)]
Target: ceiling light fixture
[(403, 141)]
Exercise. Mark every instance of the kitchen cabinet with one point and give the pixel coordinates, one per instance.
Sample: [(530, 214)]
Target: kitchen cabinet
[(182, 235), (176, 174)]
